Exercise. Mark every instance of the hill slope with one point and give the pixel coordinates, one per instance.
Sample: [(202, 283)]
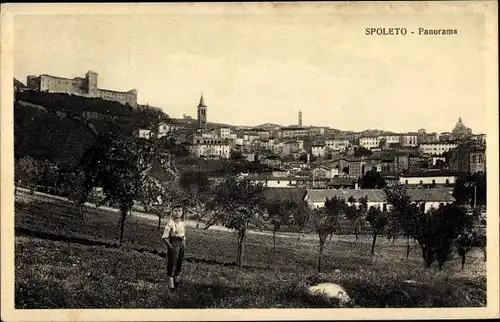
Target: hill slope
[(43, 135)]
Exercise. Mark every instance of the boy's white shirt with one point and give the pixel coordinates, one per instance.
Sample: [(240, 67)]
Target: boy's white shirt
[(178, 229)]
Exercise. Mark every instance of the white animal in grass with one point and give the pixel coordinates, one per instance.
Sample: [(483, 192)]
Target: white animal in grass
[(331, 290)]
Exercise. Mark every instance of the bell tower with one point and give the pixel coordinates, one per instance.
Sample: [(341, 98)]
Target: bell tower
[(202, 113)]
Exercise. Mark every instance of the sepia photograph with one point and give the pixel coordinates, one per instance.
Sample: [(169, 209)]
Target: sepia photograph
[(229, 156)]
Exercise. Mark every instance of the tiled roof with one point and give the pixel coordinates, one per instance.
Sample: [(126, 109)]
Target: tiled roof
[(294, 194), (378, 195), (436, 194), (440, 173), (320, 195)]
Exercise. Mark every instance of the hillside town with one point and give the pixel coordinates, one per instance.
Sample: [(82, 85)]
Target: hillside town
[(304, 156), (319, 157)]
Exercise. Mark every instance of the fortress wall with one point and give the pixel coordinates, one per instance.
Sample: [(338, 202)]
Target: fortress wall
[(129, 97), (65, 85)]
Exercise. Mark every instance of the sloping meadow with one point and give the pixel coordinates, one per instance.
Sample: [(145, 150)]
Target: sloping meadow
[(59, 265)]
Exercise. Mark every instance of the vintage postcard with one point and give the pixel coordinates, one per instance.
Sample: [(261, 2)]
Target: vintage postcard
[(249, 161)]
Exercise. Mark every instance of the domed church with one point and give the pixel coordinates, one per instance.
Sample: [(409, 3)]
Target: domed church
[(460, 130)]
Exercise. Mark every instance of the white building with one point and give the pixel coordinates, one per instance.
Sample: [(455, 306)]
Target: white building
[(296, 132), (337, 145), (325, 172), (143, 133), (293, 132), (267, 144), (409, 140), (437, 148), (250, 138), (318, 150), (224, 133), (209, 135), (435, 160), (238, 141), (369, 142), (210, 147), (389, 139), (314, 131), (164, 129), (293, 146), (427, 179)]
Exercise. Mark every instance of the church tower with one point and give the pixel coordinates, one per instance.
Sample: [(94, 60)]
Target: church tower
[(202, 113), (300, 118)]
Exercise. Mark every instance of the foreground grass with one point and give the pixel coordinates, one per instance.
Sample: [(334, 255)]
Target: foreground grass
[(54, 274)]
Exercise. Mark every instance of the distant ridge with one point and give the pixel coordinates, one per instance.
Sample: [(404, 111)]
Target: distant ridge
[(267, 126)]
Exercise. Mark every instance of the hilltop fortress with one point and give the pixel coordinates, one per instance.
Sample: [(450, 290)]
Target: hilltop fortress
[(83, 86)]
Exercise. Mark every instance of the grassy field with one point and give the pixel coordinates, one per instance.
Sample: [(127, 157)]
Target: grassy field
[(60, 266)]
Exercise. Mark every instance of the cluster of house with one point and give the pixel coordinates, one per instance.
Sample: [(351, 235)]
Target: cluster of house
[(329, 177), (400, 158)]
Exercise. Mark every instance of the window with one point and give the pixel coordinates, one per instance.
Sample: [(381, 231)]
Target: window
[(384, 207), (447, 181), (421, 182), (406, 181), (433, 181), (474, 158), (480, 157)]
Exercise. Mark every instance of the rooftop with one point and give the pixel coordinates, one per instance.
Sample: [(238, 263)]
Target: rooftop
[(431, 173), (378, 195)]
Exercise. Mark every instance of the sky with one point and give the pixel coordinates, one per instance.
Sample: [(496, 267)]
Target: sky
[(265, 68)]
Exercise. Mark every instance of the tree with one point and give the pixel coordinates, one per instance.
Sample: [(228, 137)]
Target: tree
[(151, 196), (377, 219), (438, 228), (77, 188), (356, 214), (372, 179), (236, 204), (326, 222), (434, 230), (383, 143), (471, 237), (196, 187), (236, 156), (47, 174), (471, 189), (461, 192), (402, 215), (118, 167), (26, 172), (300, 217), (279, 213)]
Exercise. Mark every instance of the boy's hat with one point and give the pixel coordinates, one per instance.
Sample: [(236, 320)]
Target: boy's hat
[(178, 205)]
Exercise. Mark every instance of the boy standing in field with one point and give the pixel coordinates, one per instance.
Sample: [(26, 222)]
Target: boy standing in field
[(175, 239)]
